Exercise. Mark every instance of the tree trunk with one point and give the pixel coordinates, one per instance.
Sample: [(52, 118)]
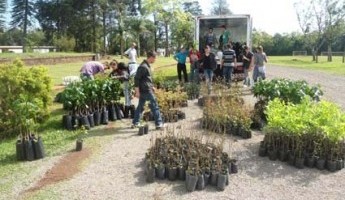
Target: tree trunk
[(167, 53), (25, 25), (138, 45), (93, 46), (104, 33), (329, 53)]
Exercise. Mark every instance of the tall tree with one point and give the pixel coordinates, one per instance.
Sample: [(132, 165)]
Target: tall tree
[(220, 7), (22, 11), (193, 7), (319, 21), (2, 12)]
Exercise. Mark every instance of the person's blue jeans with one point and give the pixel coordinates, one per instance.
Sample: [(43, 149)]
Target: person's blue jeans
[(208, 76), (259, 74), (127, 93), (247, 80), (153, 106), (227, 71)]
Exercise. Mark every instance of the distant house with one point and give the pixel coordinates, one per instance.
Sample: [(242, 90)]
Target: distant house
[(19, 49), (160, 52)]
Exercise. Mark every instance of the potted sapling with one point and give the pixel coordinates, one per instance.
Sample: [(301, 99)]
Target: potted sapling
[(82, 132)]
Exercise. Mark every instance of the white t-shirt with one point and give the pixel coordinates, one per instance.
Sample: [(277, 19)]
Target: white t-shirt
[(219, 57), (132, 55)]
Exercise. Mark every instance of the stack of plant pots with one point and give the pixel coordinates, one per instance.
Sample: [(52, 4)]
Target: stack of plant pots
[(29, 148), (186, 159)]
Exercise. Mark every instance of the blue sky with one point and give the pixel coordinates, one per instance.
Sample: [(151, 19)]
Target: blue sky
[(271, 16)]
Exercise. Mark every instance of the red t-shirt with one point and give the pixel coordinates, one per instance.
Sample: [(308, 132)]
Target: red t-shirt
[(194, 56)]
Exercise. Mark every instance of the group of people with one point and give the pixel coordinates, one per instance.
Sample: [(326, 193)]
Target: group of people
[(222, 64), (207, 63), (143, 84)]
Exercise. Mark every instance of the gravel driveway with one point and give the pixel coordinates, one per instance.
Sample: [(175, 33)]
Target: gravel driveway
[(117, 172)]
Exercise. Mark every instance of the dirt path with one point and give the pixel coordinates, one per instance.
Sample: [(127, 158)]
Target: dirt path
[(117, 173)]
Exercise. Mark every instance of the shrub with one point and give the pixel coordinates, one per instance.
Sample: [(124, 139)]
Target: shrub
[(32, 86)]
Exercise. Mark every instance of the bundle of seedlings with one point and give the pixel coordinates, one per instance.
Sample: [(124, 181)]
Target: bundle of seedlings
[(288, 91), (93, 102), (227, 114), (193, 90), (172, 99), (306, 134), (190, 157), (28, 146)]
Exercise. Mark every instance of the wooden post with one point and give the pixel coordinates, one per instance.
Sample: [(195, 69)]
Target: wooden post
[(344, 57)]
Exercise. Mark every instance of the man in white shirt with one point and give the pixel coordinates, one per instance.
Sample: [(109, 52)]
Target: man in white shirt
[(131, 54)]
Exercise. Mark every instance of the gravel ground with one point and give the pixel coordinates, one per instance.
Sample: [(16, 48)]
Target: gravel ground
[(117, 172)]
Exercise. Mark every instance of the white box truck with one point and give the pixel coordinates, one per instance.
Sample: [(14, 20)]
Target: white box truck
[(240, 27)]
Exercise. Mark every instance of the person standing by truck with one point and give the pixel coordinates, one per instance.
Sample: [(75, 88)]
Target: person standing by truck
[(228, 63), (210, 38), (224, 39), (194, 56), (260, 59), (181, 58), (209, 64), (248, 62)]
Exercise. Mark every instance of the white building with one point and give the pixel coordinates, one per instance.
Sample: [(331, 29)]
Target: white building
[(19, 49)]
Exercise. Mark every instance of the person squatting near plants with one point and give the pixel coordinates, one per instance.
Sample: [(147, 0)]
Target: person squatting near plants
[(208, 63), (260, 59), (91, 68), (248, 63), (144, 90), (194, 56), (131, 54), (228, 63), (181, 58), (121, 72)]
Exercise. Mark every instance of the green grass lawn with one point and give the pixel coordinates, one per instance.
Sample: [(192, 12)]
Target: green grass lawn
[(57, 72), (305, 62)]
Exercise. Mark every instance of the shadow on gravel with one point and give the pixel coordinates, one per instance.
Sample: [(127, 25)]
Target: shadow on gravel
[(140, 176), (264, 169)]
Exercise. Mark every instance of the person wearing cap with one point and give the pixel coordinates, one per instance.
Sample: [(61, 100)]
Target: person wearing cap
[(131, 54), (144, 90), (91, 68)]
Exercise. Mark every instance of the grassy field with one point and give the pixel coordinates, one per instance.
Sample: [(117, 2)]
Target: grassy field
[(305, 62), (165, 66)]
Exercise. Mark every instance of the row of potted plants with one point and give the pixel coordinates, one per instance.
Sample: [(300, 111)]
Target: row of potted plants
[(228, 115), (170, 115), (93, 102), (284, 89), (199, 164), (305, 134), (192, 89)]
